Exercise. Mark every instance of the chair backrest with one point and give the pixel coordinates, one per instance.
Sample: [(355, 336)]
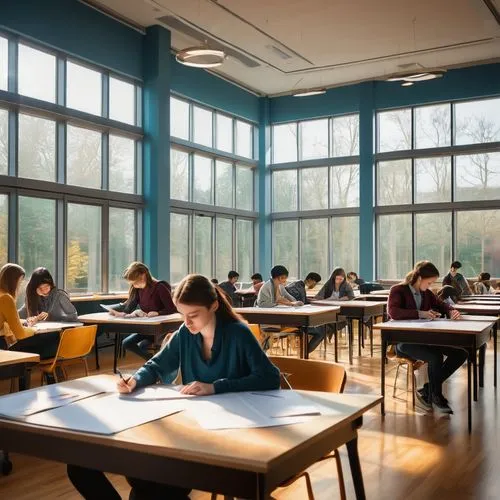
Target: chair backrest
[(311, 375), (76, 342), (255, 329)]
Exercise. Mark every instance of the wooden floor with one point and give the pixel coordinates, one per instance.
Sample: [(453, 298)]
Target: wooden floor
[(406, 455)]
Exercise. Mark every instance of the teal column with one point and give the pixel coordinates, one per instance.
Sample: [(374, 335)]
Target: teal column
[(156, 150), (366, 211), (264, 191)]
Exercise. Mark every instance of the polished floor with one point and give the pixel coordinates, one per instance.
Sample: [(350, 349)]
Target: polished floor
[(406, 455)]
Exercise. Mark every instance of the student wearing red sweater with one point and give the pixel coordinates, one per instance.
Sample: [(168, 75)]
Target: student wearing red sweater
[(413, 299), (147, 297)]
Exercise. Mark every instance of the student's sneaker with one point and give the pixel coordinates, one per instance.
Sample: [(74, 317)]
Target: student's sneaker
[(424, 400), (441, 404), (424, 391)]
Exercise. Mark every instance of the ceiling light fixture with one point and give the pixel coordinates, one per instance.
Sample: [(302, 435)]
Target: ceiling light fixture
[(201, 57), (308, 93), (407, 84), (416, 77)]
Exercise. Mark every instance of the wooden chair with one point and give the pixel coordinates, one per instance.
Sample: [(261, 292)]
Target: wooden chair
[(74, 345)]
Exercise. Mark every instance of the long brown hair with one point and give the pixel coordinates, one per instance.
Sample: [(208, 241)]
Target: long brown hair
[(423, 269), (133, 272), (9, 278), (330, 284), (40, 276), (197, 290)]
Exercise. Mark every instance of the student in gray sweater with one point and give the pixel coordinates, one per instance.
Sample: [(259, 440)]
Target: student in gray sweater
[(274, 293), (44, 301)]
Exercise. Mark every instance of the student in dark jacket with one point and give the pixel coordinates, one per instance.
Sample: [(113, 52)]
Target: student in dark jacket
[(413, 299), (457, 280), (229, 289), (147, 297), (354, 280), (336, 288), (215, 352)]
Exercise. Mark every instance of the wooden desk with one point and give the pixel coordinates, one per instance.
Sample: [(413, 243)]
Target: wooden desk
[(372, 298), (175, 450), (300, 317), (157, 325), (486, 298), (53, 326), (120, 297), (380, 292), (357, 310), (247, 297), (467, 335), (482, 309)]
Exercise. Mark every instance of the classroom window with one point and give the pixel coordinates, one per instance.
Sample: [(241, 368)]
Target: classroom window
[(244, 248), (345, 243), (223, 247), (477, 241), (244, 188), (4, 141), (344, 186), (394, 235), (433, 126), (202, 126), (313, 188), (394, 182), (284, 190), (477, 177), (83, 88), (314, 247), (477, 122), (313, 142), (223, 184), (224, 133), (284, 143), (179, 175), (4, 63), (285, 246), (203, 245), (179, 118), (4, 229), (37, 233), (121, 101), (122, 246), (36, 73), (83, 248), (345, 135), (179, 246), (244, 139), (121, 164), (394, 130), (202, 179), (83, 157), (433, 179)]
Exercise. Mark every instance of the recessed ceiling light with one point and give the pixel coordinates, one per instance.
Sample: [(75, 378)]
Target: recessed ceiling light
[(201, 57), (308, 93), (407, 84), (417, 77)]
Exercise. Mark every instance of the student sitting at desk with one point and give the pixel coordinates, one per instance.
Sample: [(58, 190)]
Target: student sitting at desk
[(257, 282), (354, 280), (274, 293), (448, 295), (298, 288), (456, 280), (215, 352), (413, 299), (483, 284), (336, 288), (228, 287), (153, 297), (44, 301)]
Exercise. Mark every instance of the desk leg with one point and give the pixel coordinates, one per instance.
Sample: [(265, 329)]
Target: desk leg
[(482, 355), (495, 334), (371, 336), (382, 371), (473, 353), (117, 348), (97, 367), (350, 340), (304, 341), (469, 402), (360, 336), (357, 475)]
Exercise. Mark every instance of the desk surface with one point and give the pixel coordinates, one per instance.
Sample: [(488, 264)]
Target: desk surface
[(380, 292), (54, 326), (481, 297), (307, 310), (437, 325), (96, 297), (105, 317), (489, 309), (359, 304), (13, 357)]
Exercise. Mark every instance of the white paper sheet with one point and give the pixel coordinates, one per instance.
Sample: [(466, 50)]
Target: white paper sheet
[(158, 392), (108, 307)]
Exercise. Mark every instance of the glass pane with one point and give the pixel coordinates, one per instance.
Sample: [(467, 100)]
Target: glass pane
[(394, 130), (223, 247), (83, 250), (314, 247), (433, 239), (83, 157), (244, 188), (284, 190), (179, 175), (4, 63), (345, 237), (37, 148), (121, 164), (432, 126), (4, 228), (285, 246), (223, 184), (394, 182), (345, 136), (202, 127), (179, 246), (224, 131), (203, 245), (121, 245), (121, 101), (477, 242), (433, 179), (477, 122), (244, 139), (37, 233), (313, 139), (179, 118), (394, 238), (313, 188), (244, 248), (477, 177), (345, 186), (37, 73), (284, 142), (4, 141), (83, 88), (202, 183)]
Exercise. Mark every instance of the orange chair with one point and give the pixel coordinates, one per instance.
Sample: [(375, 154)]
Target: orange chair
[(74, 345)]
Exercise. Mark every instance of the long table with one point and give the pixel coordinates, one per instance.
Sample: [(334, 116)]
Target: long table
[(176, 450)]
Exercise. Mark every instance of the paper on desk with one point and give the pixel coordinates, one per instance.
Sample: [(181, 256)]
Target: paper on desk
[(109, 307), (158, 392)]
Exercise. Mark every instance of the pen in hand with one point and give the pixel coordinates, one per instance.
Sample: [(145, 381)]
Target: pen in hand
[(121, 376)]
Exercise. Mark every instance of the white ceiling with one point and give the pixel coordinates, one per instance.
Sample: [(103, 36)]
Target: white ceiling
[(280, 46)]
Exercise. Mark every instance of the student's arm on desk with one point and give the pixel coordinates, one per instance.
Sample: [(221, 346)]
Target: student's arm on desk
[(8, 308)]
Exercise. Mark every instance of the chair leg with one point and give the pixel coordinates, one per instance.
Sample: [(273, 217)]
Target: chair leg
[(340, 474), (413, 385), (86, 366), (395, 381)]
